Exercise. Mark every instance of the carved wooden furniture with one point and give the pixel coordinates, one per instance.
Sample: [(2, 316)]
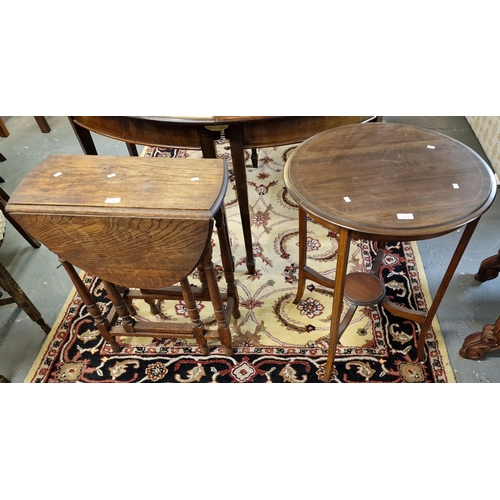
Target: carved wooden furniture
[(16, 294), (243, 132), (489, 268), (135, 222), (477, 344), (386, 183)]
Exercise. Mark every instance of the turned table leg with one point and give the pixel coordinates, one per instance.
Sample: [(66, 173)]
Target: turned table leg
[(101, 323)]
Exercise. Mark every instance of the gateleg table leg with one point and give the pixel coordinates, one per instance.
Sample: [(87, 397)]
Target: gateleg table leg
[(101, 322)]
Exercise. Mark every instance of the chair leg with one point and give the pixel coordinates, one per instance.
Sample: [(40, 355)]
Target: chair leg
[(255, 158), (2, 158), (17, 295)]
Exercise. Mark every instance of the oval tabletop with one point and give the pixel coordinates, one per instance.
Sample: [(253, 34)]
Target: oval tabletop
[(389, 181)]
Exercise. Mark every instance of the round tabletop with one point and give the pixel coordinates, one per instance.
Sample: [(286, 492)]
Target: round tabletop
[(389, 181)]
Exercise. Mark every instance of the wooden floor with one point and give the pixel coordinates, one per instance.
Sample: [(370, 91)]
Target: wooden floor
[(466, 307)]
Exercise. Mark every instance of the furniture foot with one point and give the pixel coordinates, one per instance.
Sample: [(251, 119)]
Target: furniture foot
[(238, 155), (489, 268), (4, 131), (338, 300), (476, 344)]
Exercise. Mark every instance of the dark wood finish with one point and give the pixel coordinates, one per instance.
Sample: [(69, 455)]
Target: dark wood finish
[(2, 158), (137, 222), (16, 294), (43, 124), (386, 182), (477, 344), (489, 268), (243, 132)]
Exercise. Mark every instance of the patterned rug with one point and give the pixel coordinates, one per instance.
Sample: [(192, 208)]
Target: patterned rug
[(274, 340)]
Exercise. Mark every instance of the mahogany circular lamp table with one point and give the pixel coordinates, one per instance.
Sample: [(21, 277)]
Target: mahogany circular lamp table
[(386, 183)]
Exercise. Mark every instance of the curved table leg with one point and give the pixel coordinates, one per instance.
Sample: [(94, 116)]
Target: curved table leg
[(476, 344), (489, 268), (338, 299), (462, 245)]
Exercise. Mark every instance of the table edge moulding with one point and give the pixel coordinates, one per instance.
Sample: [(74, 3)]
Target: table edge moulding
[(386, 183)]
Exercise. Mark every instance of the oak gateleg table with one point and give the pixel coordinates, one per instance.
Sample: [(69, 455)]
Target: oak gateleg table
[(199, 133)]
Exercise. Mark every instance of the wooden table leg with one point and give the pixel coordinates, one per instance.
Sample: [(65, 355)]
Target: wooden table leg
[(227, 258), (477, 344), (218, 304), (240, 174), (101, 323), (302, 254), (4, 131), (462, 245), (43, 124), (84, 138), (338, 299)]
